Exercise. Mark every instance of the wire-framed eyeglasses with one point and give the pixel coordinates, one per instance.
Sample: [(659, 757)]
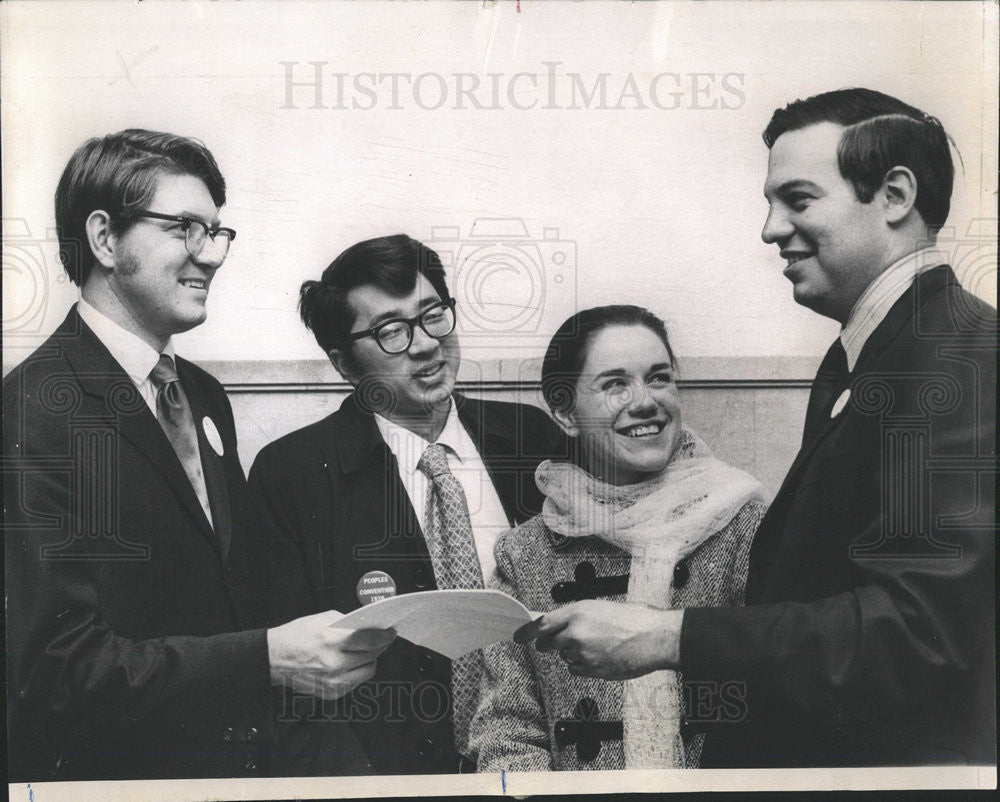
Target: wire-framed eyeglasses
[(395, 336), (197, 235)]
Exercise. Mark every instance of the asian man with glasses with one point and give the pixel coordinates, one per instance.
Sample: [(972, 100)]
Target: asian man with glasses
[(404, 488)]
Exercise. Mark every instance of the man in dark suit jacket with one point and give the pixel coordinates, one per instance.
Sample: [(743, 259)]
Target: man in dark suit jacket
[(868, 635), (136, 648), (343, 498)]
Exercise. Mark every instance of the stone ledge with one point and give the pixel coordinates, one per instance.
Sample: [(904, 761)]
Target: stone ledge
[(307, 375)]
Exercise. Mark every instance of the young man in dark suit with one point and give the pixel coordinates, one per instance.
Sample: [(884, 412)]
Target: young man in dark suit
[(135, 646), (353, 499), (868, 633)]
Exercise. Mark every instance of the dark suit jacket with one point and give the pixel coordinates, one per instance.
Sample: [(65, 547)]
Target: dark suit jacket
[(868, 638), (124, 608), (333, 508)]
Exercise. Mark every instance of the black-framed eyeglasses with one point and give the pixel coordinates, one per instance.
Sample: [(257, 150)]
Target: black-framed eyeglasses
[(197, 235), (395, 336)]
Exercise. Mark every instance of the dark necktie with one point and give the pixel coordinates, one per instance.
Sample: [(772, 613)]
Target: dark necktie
[(448, 532), (832, 379), (174, 414)]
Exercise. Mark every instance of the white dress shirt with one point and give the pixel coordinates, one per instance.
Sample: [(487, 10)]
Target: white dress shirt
[(485, 510), (879, 296), (135, 355), (137, 358)]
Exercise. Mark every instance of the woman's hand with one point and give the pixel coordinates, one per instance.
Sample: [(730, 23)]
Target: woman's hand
[(609, 640)]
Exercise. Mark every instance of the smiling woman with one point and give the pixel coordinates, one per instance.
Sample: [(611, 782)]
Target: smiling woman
[(643, 506), (625, 411)]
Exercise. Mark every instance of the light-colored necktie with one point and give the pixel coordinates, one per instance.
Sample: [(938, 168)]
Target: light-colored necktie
[(174, 414), (448, 532)]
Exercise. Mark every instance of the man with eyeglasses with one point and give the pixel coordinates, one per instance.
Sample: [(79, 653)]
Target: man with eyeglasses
[(404, 488), (135, 642)]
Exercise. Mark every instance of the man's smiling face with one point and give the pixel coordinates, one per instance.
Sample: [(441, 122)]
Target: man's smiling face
[(407, 387), (159, 285), (834, 244)]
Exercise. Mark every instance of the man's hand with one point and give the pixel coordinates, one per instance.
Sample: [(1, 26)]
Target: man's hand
[(310, 656), (607, 639)]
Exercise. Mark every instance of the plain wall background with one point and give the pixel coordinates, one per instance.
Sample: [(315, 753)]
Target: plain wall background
[(659, 207)]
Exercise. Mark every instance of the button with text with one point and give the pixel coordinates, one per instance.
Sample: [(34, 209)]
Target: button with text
[(375, 586)]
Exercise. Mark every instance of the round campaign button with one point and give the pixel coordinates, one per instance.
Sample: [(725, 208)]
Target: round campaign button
[(212, 435), (838, 407), (375, 586)]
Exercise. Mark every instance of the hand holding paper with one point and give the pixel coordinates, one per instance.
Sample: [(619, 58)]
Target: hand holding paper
[(452, 622), (309, 656), (609, 640)]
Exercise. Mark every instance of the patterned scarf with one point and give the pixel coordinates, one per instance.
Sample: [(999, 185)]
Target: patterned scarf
[(659, 521)]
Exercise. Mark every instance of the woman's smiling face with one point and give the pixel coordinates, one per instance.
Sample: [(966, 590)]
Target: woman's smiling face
[(626, 411)]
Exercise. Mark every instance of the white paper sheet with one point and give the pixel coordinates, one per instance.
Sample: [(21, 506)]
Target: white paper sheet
[(452, 622)]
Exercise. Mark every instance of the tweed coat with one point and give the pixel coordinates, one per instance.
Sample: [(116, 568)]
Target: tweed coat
[(526, 693)]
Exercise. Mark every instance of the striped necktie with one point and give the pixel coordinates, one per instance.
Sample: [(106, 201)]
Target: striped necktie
[(448, 532)]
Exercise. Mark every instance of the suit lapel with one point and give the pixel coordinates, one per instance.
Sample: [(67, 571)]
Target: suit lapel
[(902, 313), (905, 312), (494, 442), (389, 528), (212, 464), (104, 380)]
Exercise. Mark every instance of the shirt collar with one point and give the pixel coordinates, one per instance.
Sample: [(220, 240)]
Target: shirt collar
[(134, 354), (456, 438), (408, 447), (875, 302)]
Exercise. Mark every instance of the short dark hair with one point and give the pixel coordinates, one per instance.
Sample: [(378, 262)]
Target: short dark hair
[(881, 133), (389, 263), (568, 349), (118, 173)]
